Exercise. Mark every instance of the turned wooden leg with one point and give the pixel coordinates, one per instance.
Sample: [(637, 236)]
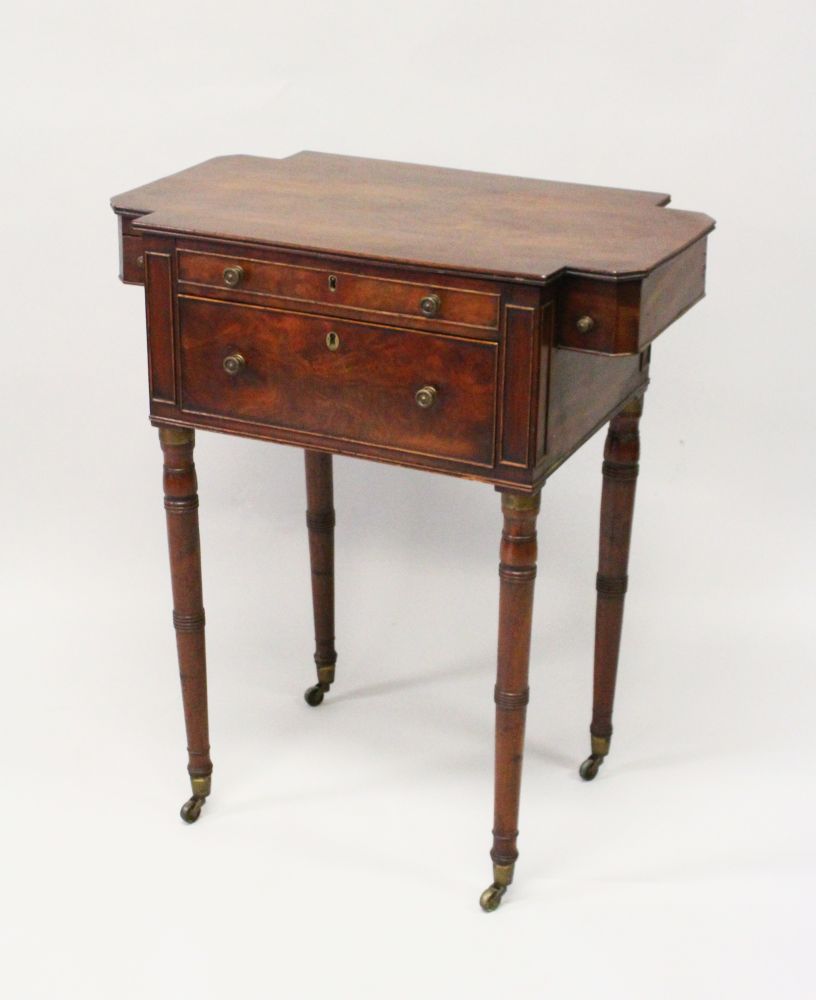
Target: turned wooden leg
[(620, 469), (181, 506), (517, 571), (320, 522)]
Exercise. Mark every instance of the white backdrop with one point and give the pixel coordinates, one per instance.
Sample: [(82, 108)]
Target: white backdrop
[(343, 850)]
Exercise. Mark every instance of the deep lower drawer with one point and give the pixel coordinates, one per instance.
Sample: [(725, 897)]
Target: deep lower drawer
[(418, 393)]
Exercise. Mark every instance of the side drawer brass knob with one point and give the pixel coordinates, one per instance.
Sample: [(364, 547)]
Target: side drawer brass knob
[(430, 305), (585, 324), (234, 363), (233, 276), (425, 397)]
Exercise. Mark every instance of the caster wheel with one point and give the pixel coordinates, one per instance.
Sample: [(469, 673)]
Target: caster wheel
[(191, 809), (491, 897), (314, 695), (589, 768)]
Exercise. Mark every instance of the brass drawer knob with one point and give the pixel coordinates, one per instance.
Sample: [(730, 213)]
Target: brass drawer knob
[(430, 305), (425, 397), (233, 276), (585, 324), (234, 363)]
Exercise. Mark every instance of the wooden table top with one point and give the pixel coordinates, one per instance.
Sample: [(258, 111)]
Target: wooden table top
[(455, 220)]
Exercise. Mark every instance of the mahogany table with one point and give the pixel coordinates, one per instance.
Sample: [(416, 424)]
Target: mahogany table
[(464, 323)]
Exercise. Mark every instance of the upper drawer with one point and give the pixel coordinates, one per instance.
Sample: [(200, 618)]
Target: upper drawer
[(422, 304), (417, 393)]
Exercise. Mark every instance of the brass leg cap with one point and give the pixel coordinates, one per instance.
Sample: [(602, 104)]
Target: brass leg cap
[(191, 809), (589, 769), (314, 695), (492, 897)]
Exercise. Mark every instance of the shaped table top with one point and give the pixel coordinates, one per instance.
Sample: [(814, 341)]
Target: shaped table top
[(453, 220)]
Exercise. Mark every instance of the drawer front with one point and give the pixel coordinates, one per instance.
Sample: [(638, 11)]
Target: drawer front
[(433, 306), (623, 317), (351, 381), (131, 266), (599, 316), (131, 253)]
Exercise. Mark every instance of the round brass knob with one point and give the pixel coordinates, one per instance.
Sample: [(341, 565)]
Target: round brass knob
[(233, 276), (425, 397), (585, 324), (234, 363), (430, 305), (140, 261)]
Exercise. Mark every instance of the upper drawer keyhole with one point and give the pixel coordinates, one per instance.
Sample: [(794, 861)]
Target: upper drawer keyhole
[(332, 282)]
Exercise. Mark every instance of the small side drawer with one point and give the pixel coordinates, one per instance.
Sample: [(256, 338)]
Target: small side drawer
[(416, 393), (599, 316), (623, 317), (428, 305), (132, 263), (131, 253)]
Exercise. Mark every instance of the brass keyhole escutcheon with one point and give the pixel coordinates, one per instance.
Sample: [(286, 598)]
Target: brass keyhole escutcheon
[(332, 340), (332, 282)]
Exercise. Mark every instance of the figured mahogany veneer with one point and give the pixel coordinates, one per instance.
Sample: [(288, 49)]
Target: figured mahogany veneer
[(463, 323), (362, 391)]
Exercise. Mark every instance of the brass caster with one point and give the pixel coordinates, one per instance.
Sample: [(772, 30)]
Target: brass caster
[(492, 897), (191, 809), (314, 695), (589, 769)]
